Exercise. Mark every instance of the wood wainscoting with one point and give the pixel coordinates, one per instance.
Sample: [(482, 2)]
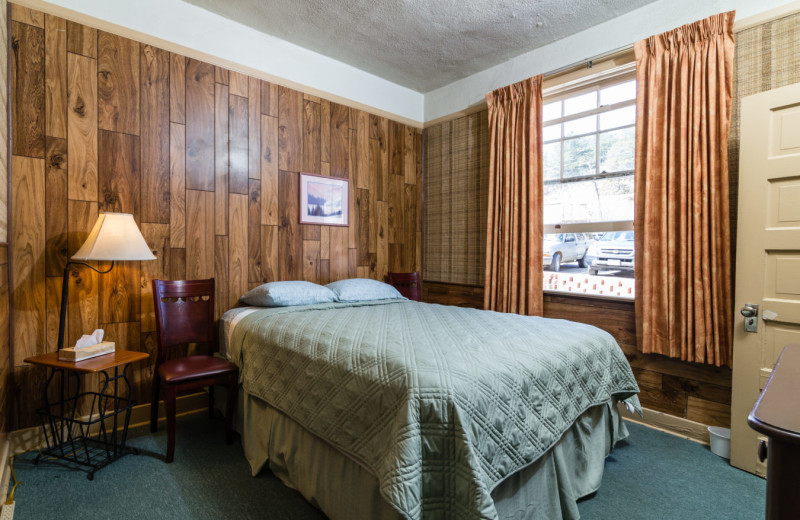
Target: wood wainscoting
[(699, 393), (207, 160)]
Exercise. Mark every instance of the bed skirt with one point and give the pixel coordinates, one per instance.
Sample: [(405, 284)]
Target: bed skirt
[(344, 489)]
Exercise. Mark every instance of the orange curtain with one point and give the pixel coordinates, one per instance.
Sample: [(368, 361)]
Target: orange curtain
[(684, 81), (514, 227)]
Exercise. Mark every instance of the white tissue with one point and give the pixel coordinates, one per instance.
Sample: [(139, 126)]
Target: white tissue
[(87, 340)]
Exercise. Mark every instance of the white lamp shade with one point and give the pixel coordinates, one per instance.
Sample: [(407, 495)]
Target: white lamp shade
[(115, 236)]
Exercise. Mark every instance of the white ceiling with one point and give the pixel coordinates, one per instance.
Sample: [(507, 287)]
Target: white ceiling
[(421, 44)]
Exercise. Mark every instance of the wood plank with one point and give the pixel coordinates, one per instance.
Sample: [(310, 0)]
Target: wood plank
[(396, 142), (177, 88), (699, 389), (339, 253), (324, 272), (352, 263), (81, 40), (53, 291), (27, 229), (238, 84), (221, 75), (254, 130), (363, 177), (382, 222), (221, 299), (254, 232), (239, 154), (325, 242), (311, 261), (199, 126), (309, 97), (290, 130), (289, 236), (269, 253), (26, 15), (120, 185), (715, 375), (410, 227), (453, 294), (648, 378), (82, 127), (56, 245), (177, 264), (409, 155), (27, 90), (708, 412), (418, 167), (312, 138), (199, 234), (177, 185), (55, 87), (117, 83), (340, 148), (269, 170), (311, 231), (84, 296), (155, 129), (667, 401), (325, 131), (157, 237), (396, 206), (375, 173), (237, 248), (221, 159), (363, 209)]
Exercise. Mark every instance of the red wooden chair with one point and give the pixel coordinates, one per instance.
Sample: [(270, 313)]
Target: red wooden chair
[(407, 284), (185, 314)]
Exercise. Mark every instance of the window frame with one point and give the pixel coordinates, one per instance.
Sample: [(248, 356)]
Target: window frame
[(591, 84)]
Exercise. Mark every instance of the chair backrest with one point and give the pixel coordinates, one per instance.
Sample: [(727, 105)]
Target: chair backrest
[(407, 284), (184, 313)]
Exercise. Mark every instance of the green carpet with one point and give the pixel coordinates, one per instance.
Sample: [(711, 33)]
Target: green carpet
[(650, 475)]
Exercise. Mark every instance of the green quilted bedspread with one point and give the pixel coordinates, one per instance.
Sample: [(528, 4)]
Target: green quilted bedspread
[(441, 403)]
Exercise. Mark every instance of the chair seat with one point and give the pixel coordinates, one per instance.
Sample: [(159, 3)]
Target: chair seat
[(194, 367)]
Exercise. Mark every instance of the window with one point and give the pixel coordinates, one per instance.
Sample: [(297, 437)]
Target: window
[(589, 141)]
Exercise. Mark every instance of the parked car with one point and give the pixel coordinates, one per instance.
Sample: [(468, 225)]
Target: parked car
[(565, 247), (614, 251)]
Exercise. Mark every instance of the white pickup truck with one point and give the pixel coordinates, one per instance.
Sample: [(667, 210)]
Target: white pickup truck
[(614, 251)]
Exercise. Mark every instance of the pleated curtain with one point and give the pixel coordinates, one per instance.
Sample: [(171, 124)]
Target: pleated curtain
[(684, 80), (513, 281)]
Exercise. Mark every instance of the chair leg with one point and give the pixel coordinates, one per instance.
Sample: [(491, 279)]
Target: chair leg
[(169, 401), (210, 401), (154, 402), (230, 409)]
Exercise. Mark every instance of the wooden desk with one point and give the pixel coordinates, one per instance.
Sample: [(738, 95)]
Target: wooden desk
[(776, 414), (71, 438)]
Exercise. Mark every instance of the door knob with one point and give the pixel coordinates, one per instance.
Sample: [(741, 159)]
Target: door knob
[(749, 310)]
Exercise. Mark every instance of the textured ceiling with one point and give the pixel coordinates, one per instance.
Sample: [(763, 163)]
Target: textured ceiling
[(421, 44)]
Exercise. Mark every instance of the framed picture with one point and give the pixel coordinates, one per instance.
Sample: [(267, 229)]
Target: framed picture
[(324, 200)]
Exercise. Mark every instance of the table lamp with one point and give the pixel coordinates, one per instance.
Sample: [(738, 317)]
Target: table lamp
[(115, 237)]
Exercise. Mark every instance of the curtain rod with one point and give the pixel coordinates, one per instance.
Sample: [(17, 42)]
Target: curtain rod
[(586, 63)]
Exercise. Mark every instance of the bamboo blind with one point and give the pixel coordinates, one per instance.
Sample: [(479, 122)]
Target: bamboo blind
[(456, 191)]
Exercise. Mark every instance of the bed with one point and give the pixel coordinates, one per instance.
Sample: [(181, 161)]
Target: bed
[(401, 409)]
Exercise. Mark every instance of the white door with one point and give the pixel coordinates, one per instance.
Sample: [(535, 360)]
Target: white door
[(768, 254)]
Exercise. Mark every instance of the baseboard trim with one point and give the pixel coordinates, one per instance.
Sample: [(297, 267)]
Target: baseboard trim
[(678, 426), (28, 439)]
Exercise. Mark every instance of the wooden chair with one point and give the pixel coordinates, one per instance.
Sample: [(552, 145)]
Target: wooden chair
[(185, 314), (407, 284)]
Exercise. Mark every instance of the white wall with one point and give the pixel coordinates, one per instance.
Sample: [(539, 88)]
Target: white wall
[(655, 18), (199, 30)]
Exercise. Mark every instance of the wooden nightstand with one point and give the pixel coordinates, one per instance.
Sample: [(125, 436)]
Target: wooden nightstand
[(90, 442)]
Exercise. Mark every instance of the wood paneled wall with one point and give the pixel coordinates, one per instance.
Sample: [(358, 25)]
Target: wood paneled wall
[(5, 349), (207, 160)]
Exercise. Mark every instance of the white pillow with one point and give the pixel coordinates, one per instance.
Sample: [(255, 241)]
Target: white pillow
[(285, 294), (363, 289)]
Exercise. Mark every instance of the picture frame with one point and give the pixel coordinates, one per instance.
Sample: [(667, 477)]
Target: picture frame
[(324, 200)]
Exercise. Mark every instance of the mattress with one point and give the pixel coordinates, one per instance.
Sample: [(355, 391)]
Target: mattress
[(440, 404)]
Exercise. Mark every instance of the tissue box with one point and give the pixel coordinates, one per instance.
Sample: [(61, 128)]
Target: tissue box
[(79, 354)]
